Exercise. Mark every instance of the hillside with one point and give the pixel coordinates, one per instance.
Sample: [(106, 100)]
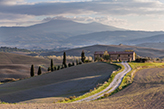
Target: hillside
[(147, 91), (89, 50), (67, 82), (111, 37), (159, 45), (18, 66), (153, 39)]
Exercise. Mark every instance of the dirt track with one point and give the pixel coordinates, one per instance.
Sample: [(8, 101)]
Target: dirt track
[(146, 92)]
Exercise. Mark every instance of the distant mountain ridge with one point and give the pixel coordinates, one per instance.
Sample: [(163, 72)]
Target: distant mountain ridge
[(127, 37), (69, 34), (50, 33)]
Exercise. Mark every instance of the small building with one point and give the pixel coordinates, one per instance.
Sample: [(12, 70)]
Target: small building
[(116, 55)]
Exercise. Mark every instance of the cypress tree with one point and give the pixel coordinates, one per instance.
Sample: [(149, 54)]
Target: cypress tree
[(77, 63), (39, 71), (83, 56), (52, 65), (32, 71), (64, 60), (73, 64)]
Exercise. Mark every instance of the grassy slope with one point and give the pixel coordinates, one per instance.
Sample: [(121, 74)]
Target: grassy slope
[(66, 82)]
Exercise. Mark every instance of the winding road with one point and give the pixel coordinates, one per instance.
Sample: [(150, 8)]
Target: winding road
[(113, 85)]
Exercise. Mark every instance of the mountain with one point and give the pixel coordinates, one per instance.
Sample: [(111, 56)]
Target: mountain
[(47, 35), (89, 50), (110, 37)]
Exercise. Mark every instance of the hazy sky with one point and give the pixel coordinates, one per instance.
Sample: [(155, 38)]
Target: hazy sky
[(128, 14)]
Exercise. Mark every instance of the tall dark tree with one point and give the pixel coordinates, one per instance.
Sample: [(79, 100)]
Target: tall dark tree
[(39, 71), (64, 60), (32, 71), (82, 56), (52, 65)]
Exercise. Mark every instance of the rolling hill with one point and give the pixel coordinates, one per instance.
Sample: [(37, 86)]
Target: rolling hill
[(159, 45), (14, 66), (111, 37), (89, 50), (62, 83), (147, 91), (153, 39)]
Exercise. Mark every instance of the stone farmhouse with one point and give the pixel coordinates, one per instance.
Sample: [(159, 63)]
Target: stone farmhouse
[(116, 55)]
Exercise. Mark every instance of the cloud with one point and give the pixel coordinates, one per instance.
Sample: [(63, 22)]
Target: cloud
[(11, 2), (113, 12), (112, 7)]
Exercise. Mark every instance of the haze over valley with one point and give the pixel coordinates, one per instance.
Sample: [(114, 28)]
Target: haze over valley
[(56, 34)]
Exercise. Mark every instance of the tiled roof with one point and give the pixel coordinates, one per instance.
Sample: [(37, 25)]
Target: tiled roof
[(113, 52)]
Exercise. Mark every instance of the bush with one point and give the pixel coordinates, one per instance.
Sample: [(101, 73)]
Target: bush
[(86, 61), (58, 68), (106, 95), (80, 62), (72, 97), (66, 99), (69, 65), (49, 69)]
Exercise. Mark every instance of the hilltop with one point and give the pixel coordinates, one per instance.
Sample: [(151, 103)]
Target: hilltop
[(89, 50)]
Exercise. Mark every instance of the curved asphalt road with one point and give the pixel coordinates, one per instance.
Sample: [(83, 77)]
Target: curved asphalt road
[(113, 85)]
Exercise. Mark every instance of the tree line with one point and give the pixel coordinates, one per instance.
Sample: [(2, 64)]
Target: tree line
[(64, 64)]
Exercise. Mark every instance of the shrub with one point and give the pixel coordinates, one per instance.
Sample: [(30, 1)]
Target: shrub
[(106, 94), (58, 68), (49, 69), (55, 68), (69, 65), (80, 62), (86, 61), (66, 99), (72, 97)]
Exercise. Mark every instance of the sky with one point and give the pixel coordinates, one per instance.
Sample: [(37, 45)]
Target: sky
[(147, 15)]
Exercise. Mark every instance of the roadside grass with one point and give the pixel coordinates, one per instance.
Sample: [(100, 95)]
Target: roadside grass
[(128, 78), (119, 68)]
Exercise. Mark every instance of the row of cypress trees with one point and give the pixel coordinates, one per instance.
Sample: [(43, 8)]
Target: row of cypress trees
[(64, 64)]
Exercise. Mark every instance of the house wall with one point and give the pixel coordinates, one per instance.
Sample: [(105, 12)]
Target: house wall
[(122, 57)]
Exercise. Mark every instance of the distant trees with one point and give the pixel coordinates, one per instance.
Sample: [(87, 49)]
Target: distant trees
[(39, 71), (32, 71), (83, 56)]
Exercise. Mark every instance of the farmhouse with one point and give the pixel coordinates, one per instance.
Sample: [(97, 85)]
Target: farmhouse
[(115, 55)]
